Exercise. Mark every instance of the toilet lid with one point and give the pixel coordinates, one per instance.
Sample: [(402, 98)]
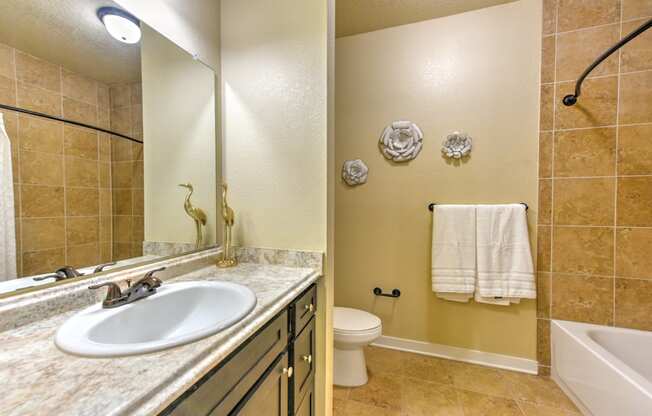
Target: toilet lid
[(348, 319)]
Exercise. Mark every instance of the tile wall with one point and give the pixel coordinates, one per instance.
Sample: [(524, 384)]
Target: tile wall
[(62, 173), (595, 169)]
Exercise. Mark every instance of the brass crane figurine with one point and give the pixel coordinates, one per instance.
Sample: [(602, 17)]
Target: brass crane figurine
[(197, 214), (228, 258)]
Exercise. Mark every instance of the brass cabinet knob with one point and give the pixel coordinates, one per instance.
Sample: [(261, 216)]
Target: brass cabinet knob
[(307, 358), (288, 371), (309, 308)]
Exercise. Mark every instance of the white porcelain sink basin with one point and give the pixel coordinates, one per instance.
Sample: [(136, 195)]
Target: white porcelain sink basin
[(177, 314)]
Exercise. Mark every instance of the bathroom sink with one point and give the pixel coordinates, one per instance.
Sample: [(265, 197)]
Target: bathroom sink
[(177, 314)]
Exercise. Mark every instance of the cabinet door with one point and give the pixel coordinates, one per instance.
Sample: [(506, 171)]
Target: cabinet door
[(307, 405), (270, 396), (303, 362)]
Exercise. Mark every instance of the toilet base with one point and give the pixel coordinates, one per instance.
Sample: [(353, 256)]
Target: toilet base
[(350, 369)]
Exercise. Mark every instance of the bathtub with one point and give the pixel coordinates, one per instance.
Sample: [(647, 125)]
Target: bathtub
[(606, 371)]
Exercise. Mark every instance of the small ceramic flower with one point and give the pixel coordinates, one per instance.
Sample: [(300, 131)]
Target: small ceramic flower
[(401, 141), (457, 145), (354, 172)]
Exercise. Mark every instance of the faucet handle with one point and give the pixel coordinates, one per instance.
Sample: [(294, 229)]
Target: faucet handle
[(150, 280), (101, 267), (112, 295)]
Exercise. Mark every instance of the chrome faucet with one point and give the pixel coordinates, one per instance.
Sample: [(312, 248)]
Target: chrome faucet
[(144, 287)]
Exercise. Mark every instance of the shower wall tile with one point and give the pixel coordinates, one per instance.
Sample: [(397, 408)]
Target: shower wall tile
[(79, 88), (586, 201), (636, 8), (633, 248), (549, 20), (546, 115), (637, 54), (38, 168), (543, 344), (37, 72), (586, 152), (634, 303), (545, 201), (38, 99), (583, 299), (80, 142), (79, 111), (44, 261), (122, 201), (42, 201), (635, 150), (83, 255), (635, 201), (583, 250), (544, 244), (577, 14), (40, 135), (576, 50), (7, 91), (121, 120), (120, 95), (42, 233), (548, 59), (81, 172), (636, 98), (82, 202), (597, 107), (545, 154), (7, 62), (105, 174), (544, 290), (82, 230), (104, 147)]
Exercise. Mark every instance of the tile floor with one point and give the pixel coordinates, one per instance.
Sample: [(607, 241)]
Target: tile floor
[(404, 384)]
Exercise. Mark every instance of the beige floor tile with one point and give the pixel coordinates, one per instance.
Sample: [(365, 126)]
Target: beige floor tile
[(353, 408), (422, 398), (538, 390), (476, 404), (381, 391), (383, 360), (341, 392), (479, 379), (530, 409), (338, 406), (423, 367)]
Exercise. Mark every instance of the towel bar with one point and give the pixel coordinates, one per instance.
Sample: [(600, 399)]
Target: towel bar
[(431, 206)]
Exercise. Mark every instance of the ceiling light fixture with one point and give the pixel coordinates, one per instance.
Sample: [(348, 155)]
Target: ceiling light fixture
[(120, 24)]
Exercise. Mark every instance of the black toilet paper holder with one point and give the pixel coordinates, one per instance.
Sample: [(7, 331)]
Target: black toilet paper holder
[(379, 292)]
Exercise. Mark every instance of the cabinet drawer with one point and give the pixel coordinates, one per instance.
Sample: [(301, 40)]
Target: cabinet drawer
[(303, 309), (270, 395), (218, 392), (303, 361), (307, 405)]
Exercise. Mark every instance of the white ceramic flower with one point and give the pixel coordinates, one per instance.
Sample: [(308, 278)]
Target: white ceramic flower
[(354, 172), (457, 145), (401, 141)]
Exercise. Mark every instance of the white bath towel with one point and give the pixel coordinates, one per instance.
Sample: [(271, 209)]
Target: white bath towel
[(504, 258), (7, 212), (453, 252)]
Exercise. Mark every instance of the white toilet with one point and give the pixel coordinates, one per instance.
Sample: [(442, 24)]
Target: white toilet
[(353, 329)]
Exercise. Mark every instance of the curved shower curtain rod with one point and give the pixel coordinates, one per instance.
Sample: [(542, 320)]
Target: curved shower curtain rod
[(571, 99)]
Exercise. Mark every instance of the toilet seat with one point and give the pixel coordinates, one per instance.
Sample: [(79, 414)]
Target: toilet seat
[(350, 321)]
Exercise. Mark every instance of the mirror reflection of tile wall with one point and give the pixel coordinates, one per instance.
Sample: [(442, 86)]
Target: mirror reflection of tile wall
[(78, 192)]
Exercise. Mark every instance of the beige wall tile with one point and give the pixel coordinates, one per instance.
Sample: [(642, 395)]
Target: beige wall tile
[(79, 88), (83, 255), (138, 229), (122, 202), (15, 167), (545, 154), (634, 201), (105, 175), (79, 111), (103, 96), (82, 230), (42, 233), (105, 147), (11, 126), (577, 50), (38, 99), (120, 95), (38, 168), (137, 151), (7, 62), (104, 118), (122, 228), (105, 202), (583, 299), (577, 14), (120, 149), (17, 197), (544, 291), (635, 150), (637, 54), (634, 304), (548, 59), (121, 251), (137, 120), (636, 98), (41, 201), (106, 229), (633, 248), (43, 261), (80, 142), (122, 174), (40, 135), (82, 202), (543, 341), (585, 152), (106, 252), (121, 120), (38, 72), (549, 16), (545, 202), (636, 8), (583, 250), (138, 170), (7, 91), (587, 201), (138, 202), (596, 107), (81, 172), (544, 247), (136, 94), (546, 111)]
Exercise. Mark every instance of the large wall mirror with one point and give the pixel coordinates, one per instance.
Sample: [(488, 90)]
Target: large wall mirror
[(108, 144)]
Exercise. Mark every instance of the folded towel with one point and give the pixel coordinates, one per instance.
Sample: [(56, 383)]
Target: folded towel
[(453, 251), (504, 259)]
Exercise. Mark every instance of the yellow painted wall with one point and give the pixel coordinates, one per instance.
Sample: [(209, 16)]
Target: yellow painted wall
[(476, 72), (179, 140)]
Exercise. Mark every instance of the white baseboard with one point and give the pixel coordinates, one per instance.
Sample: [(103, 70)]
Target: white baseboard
[(489, 359)]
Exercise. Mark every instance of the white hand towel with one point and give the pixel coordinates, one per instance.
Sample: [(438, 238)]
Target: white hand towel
[(7, 213), (453, 252), (505, 268)]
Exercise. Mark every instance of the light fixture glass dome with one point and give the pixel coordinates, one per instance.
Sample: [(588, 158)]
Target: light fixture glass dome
[(120, 24)]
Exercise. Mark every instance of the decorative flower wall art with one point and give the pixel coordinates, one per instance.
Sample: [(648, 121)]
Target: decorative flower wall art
[(355, 172), (457, 145), (401, 141)]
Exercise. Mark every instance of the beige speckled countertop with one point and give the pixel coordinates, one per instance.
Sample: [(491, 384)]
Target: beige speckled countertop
[(38, 379)]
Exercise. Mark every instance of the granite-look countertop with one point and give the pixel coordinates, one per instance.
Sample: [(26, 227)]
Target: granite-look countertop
[(38, 379)]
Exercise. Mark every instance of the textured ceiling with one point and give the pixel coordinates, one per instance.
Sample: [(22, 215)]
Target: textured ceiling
[(68, 32), (359, 16)]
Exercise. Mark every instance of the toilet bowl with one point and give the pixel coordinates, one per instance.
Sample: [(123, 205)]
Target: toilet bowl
[(353, 329)]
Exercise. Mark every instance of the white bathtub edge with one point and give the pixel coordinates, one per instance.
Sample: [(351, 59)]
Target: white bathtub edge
[(576, 401), (489, 359)]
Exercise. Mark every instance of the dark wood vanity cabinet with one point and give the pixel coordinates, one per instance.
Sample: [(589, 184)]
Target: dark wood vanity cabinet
[(270, 374)]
